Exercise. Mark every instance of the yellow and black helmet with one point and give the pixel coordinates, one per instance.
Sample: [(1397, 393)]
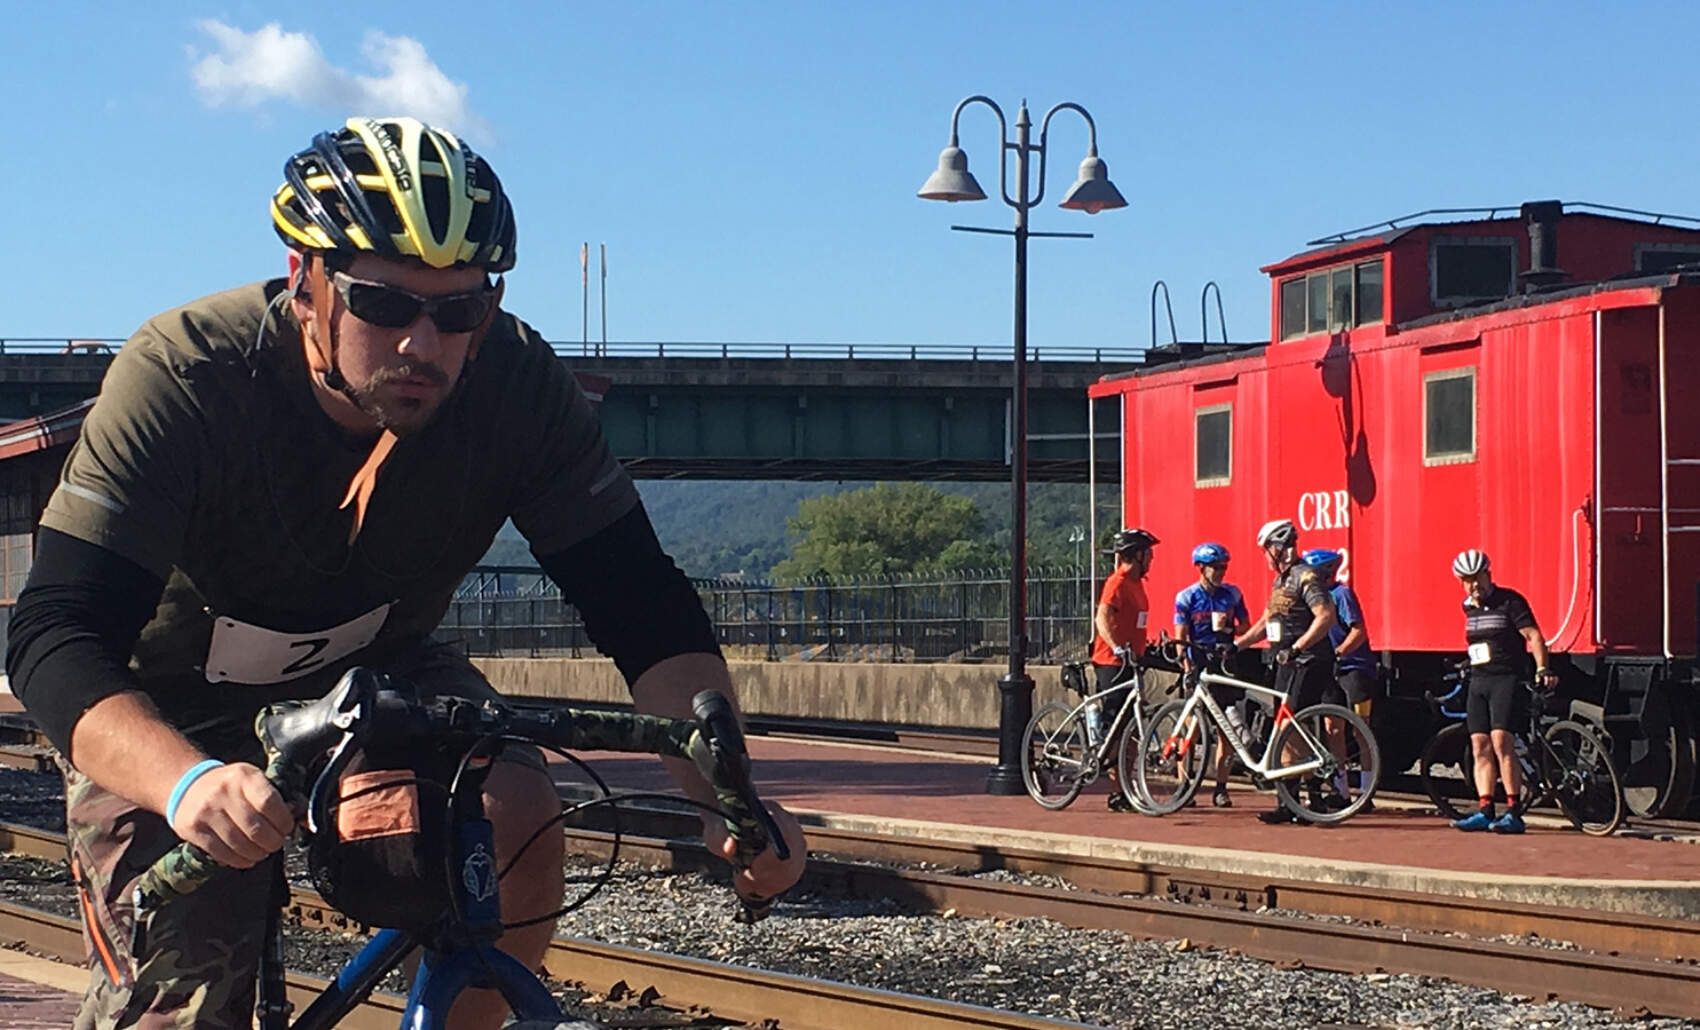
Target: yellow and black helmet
[(397, 188)]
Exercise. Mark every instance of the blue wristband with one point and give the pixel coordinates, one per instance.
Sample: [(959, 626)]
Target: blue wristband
[(195, 772)]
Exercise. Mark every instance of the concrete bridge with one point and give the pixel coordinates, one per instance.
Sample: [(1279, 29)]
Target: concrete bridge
[(762, 411)]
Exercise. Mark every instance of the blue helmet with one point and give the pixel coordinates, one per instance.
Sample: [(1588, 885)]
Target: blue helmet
[(1209, 553), (1323, 561)]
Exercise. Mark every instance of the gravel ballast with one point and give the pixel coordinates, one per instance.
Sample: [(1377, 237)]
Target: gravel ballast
[(1026, 965)]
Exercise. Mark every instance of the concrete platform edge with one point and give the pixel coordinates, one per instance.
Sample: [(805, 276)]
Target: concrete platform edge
[(1676, 899)]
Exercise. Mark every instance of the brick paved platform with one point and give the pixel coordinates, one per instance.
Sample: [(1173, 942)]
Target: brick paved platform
[(923, 794), (36, 994)]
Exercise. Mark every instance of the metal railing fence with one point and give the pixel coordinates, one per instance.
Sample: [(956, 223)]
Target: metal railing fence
[(993, 353), (515, 611)]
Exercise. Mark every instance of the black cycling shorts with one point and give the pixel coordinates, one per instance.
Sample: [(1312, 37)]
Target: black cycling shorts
[(1358, 685), (1491, 701), (1308, 682), (1114, 676)]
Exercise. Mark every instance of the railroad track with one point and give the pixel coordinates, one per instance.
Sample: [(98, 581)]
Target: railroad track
[(1619, 961), (1625, 962), (21, 746), (734, 994)]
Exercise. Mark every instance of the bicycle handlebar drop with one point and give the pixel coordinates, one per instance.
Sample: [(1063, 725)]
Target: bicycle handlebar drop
[(298, 737)]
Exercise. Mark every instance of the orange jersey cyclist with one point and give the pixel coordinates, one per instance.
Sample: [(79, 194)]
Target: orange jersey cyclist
[(1121, 624)]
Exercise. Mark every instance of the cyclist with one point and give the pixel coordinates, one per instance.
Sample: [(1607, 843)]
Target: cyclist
[(1498, 623), (290, 478), (1354, 662), (1295, 621), (1209, 613), (1120, 624)]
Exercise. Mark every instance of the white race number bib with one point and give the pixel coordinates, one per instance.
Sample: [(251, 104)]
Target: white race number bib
[(1274, 629), (1218, 621), (245, 653), (1139, 621), (1481, 654)]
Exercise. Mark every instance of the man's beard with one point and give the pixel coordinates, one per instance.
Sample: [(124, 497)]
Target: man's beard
[(400, 415)]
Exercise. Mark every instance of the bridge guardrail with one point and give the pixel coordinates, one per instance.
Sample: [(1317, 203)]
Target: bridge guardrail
[(704, 349), (515, 611)]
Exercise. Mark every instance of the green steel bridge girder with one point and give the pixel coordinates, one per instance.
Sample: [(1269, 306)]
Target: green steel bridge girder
[(774, 418), (759, 418), (730, 432)]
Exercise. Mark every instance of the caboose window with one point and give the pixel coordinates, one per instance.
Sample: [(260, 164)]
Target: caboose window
[(1318, 321), (1369, 292), (1340, 299), (1466, 271), (1331, 300), (1449, 416), (1213, 450), (1293, 307), (1654, 258)]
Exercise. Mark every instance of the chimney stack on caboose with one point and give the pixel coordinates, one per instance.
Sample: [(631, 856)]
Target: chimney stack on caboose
[(1542, 218)]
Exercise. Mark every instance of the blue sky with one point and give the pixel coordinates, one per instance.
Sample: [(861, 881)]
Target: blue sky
[(752, 167)]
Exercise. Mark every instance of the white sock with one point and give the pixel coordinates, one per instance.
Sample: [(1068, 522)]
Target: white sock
[(1340, 783)]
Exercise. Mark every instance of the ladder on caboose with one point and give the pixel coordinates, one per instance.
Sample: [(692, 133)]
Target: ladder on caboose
[(1666, 509)]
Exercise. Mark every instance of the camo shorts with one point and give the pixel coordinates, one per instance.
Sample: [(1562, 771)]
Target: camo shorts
[(189, 963)]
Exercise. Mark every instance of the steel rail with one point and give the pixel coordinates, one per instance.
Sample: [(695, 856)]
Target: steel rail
[(1235, 913), (729, 992), (1627, 960), (62, 939), (32, 842), (1660, 988), (659, 843), (1612, 933)]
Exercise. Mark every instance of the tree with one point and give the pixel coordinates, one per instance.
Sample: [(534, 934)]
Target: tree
[(885, 528)]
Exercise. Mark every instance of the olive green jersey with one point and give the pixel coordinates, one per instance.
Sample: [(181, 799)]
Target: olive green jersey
[(207, 461)]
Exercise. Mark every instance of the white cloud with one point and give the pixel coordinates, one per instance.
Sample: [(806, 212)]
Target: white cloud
[(247, 69)]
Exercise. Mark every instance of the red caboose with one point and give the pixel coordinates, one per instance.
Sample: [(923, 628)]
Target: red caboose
[(1514, 384)]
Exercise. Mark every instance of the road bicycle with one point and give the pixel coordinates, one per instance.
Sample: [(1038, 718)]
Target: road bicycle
[(1564, 760), (1302, 753), (1068, 747), (309, 746)]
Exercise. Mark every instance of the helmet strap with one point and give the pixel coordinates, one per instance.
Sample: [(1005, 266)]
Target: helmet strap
[(321, 360), (321, 346), (484, 326)]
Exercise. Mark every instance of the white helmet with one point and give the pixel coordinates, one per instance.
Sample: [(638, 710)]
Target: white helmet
[(1281, 532), (1469, 563)]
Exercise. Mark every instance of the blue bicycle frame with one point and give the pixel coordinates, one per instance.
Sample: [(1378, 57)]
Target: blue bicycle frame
[(465, 957)]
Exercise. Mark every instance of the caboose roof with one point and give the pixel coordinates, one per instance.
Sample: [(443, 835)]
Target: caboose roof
[(1381, 235), (1171, 358)]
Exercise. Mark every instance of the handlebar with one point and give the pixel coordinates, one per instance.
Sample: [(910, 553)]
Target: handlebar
[(297, 739), (1176, 650)]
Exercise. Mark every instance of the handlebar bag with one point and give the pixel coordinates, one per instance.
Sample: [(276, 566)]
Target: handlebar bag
[(382, 859)]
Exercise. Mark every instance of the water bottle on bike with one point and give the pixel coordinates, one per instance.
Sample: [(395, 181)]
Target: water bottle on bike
[(1236, 724)]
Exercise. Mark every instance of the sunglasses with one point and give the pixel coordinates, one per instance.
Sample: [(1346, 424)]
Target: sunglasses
[(392, 308)]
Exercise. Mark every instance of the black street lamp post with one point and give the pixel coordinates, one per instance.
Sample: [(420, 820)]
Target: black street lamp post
[(1092, 192)]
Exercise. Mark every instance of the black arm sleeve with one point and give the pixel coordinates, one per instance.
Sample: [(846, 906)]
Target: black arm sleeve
[(68, 644), (638, 608)]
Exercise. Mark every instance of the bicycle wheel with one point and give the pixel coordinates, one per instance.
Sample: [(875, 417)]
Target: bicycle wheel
[(1054, 760), (1170, 760), (1582, 780), (1318, 802), (1450, 748), (1127, 757)]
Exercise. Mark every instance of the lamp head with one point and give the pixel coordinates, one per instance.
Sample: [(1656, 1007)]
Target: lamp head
[(1092, 191), (951, 180)]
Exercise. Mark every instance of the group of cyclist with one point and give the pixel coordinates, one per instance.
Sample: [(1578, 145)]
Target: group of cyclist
[(1319, 652)]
